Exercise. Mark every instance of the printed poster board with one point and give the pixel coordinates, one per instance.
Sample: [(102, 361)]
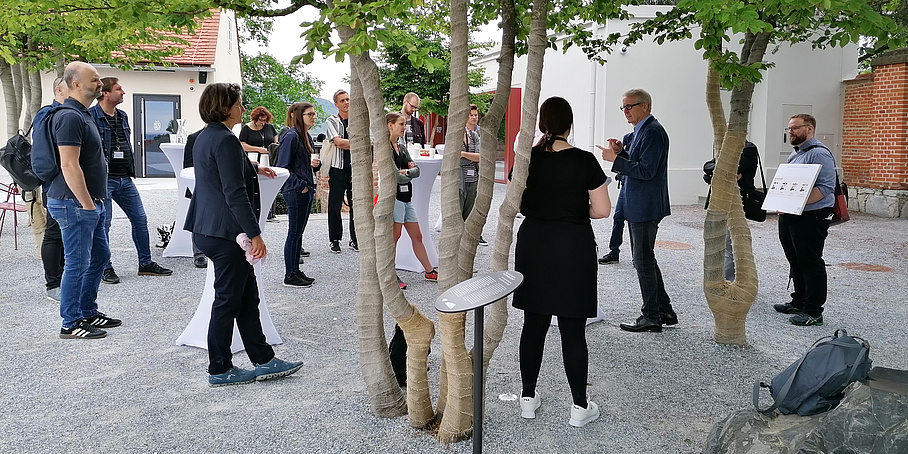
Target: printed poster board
[(790, 188)]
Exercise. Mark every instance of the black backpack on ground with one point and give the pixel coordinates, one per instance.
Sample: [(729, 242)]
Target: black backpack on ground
[(16, 159), (816, 382)]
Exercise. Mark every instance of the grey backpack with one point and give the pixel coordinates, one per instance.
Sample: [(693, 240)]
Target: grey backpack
[(816, 382)]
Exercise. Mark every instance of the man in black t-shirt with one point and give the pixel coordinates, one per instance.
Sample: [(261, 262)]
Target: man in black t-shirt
[(75, 200), (113, 126)]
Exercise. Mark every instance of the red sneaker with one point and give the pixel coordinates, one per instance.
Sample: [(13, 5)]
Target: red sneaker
[(432, 275), (401, 284)]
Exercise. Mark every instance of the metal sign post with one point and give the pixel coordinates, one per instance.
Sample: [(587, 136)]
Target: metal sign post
[(474, 294)]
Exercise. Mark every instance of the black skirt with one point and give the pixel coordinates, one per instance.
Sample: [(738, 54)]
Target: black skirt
[(558, 262)]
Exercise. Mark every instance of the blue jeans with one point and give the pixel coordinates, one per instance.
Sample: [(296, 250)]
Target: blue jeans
[(85, 251), (614, 243), (298, 207), (124, 192), (643, 244)]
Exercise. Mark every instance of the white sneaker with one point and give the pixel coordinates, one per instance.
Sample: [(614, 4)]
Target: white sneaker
[(580, 416), (529, 405)]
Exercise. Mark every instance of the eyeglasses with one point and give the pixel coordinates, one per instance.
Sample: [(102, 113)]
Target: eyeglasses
[(627, 107), (411, 105), (311, 114), (794, 128)]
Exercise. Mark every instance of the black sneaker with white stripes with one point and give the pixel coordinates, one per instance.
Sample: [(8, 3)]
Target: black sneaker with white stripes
[(82, 330), (103, 321)]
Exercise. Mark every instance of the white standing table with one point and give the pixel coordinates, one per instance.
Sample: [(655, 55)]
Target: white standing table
[(180, 244), (422, 191), (196, 334)]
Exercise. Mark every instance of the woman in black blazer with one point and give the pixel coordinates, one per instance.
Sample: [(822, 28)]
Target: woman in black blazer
[(225, 205)]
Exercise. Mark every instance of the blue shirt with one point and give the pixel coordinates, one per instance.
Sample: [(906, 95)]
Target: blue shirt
[(77, 129), (817, 153)]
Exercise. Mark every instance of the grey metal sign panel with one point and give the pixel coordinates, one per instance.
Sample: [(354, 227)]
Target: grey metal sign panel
[(478, 291)]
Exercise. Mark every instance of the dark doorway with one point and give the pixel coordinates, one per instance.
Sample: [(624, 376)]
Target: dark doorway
[(155, 115)]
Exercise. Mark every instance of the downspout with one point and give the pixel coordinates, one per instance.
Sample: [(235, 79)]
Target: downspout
[(592, 115)]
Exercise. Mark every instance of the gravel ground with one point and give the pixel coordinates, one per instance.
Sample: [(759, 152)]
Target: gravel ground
[(136, 391)]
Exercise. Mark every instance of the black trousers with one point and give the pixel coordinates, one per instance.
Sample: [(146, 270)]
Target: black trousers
[(573, 350), (236, 298), (52, 252), (652, 287), (803, 238), (340, 183)]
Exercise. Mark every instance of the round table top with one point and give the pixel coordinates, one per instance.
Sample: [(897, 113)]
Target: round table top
[(479, 291)]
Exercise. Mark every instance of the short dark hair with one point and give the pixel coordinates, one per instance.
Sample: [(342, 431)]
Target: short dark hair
[(216, 101), (338, 93), (808, 119), (107, 84), (555, 117), (474, 107)]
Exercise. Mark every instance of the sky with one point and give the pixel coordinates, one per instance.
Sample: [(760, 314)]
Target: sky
[(285, 43)]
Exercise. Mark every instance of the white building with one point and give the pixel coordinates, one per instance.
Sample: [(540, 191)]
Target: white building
[(674, 73), (156, 95)]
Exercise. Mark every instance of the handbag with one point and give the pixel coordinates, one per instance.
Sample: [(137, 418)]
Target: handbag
[(753, 201), (327, 152), (840, 208)]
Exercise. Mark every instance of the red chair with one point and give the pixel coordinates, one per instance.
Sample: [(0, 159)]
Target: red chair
[(11, 191)]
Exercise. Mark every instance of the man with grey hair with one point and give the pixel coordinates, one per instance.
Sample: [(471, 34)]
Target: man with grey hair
[(645, 192), (75, 199), (415, 131), (340, 173), (803, 236), (113, 125)]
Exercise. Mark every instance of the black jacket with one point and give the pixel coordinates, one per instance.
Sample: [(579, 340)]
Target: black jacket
[(226, 201)]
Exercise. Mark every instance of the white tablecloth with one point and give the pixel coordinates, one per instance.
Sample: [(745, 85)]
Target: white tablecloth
[(422, 191), (181, 240), (196, 334)]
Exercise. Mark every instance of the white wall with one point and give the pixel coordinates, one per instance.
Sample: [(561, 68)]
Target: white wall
[(674, 73)]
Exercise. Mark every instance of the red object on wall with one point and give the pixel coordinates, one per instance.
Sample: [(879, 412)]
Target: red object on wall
[(511, 129), (439, 127)]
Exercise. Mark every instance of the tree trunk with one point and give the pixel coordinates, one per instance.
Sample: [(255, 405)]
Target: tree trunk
[(418, 330), (456, 263), (731, 301), (511, 205), (11, 98), (385, 396)]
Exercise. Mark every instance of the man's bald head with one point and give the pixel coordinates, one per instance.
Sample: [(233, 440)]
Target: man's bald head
[(83, 81)]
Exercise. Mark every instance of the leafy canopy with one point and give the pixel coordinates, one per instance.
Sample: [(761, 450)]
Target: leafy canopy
[(275, 85)]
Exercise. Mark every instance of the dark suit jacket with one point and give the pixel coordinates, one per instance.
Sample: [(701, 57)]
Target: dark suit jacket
[(226, 198), (646, 173), (419, 130)]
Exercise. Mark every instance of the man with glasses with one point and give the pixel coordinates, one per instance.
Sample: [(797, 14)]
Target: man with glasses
[(416, 129), (803, 236), (340, 175), (645, 192)]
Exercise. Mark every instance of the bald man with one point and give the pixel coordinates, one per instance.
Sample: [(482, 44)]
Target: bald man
[(75, 199)]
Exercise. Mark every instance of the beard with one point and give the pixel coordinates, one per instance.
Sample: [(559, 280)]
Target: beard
[(797, 140)]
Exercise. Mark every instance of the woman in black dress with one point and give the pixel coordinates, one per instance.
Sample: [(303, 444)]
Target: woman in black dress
[(556, 252), (258, 133), (224, 205)]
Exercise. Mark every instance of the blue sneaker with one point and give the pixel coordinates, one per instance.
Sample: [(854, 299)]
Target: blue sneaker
[(276, 368), (234, 376)]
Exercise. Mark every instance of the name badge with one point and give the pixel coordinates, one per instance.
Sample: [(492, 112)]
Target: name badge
[(471, 172), (403, 188), (119, 155)]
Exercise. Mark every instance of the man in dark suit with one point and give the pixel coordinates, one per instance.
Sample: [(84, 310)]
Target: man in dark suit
[(645, 194)]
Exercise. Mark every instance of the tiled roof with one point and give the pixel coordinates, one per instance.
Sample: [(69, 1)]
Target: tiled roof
[(200, 46)]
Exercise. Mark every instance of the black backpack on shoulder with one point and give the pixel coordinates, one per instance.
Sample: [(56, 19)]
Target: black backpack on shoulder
[(16, 159)]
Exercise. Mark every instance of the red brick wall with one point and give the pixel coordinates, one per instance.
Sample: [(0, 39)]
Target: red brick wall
[(875, 128)]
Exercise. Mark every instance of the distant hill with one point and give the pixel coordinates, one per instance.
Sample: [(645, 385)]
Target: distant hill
[(330, 109)]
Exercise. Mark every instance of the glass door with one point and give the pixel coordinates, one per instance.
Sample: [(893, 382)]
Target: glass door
[(156, 116)]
